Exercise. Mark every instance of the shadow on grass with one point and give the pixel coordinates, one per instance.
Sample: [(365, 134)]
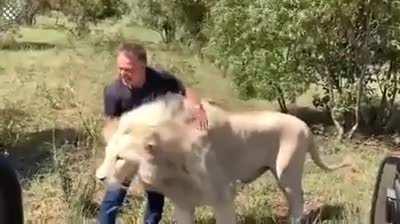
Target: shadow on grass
[(34, 152), (324, 213), (316, 215), (313, 116), (243, 220)]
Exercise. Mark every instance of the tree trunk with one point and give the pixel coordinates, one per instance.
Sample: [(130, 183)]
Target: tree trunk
[(360, 88), (363, 52), (32, 8), (282, 105), (332, 101), (339, 127), (281, 100), (383, 115), (392, 101)]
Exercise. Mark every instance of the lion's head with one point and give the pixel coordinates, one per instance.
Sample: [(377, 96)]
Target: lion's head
[(150, 141)]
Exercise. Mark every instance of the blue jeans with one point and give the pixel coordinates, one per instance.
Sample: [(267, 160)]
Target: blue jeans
[(114, 198)]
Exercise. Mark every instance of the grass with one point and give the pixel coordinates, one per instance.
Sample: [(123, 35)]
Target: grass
[(51, 118)]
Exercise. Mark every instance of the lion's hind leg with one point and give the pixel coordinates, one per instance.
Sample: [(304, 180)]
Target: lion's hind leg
[(288, 172)]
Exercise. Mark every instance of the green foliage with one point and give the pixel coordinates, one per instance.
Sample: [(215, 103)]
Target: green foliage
[(8, 37), (105, 39), (14, 120), (93, 10), (175, 19), (257, 42), (385, 49), (80, 12), (348, 47), (276, 49)]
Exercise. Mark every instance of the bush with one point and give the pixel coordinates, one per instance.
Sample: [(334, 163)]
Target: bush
[(181, 20), (105, 39), (14, 121), (256, 41), (8, 40)]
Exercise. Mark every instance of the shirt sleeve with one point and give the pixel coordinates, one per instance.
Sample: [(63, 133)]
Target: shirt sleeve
[(178, 86), (175, 85), (112, 103)]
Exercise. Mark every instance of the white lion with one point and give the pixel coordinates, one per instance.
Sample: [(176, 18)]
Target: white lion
[(160, 145)]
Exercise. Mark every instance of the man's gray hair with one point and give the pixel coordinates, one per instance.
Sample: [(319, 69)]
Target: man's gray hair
[(133, 49)]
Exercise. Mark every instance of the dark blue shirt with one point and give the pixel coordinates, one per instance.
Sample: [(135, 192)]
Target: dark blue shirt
[(118, 98)]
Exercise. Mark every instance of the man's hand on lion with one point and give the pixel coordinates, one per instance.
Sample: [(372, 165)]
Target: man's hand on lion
[(193, 104), (136, 188), (198, 116), (201, 117)]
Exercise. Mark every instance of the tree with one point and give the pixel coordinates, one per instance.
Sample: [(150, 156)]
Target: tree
[(276, 49), (384, 64), (349, 44), (257, 42), (180, 20)]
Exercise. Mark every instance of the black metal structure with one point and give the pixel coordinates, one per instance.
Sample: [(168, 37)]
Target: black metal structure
[(385, 207), (11, 208)]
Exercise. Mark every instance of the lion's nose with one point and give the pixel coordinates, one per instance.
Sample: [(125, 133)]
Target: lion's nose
[(100, 175)]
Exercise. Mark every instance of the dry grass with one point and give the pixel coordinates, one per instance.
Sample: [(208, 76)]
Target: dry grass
[(51, 121)]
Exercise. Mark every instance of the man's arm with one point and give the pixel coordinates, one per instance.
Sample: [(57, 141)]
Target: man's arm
[(109, 128), (193, 101), (192, 98)]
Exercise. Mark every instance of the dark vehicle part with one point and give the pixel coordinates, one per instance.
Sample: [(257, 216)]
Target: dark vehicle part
[(11, 208), (386, 198)]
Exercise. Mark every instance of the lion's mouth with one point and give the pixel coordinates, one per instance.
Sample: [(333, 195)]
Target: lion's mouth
[(146, 177), (146, 180)]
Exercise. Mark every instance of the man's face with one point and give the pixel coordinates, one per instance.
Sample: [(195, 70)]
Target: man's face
[(131, 70)]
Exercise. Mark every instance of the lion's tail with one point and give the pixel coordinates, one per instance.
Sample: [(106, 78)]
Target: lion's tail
[(315, 156)]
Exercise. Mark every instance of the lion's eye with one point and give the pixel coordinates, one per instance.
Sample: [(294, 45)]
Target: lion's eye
[(149, 147), (119, 158)]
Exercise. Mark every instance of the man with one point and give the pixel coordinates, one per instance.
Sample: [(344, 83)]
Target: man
[(137, 84)]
